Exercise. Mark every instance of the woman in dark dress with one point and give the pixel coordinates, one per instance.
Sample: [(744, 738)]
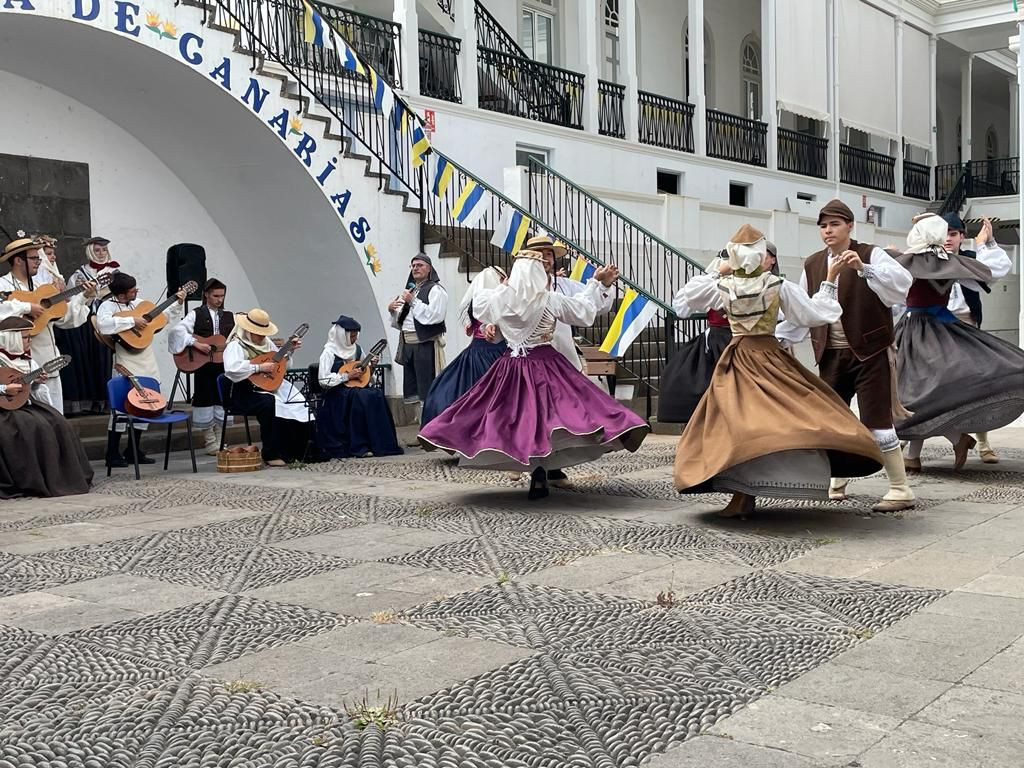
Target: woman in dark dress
[(352, 421)]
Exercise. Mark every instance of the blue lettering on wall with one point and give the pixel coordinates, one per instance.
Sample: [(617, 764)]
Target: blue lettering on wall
[(126, 13), (341, 202), (25, 5), (330, 168), (281, 123), (359, 229), (82, 15), (223, 73), (304, 151), (193, 58), (257, 94)]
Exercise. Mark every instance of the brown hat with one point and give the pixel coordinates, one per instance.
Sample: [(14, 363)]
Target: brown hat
[(21, 245), (545, 241), (747, 235), (97, 241), (256, 321), (838, 208), (15, 324)]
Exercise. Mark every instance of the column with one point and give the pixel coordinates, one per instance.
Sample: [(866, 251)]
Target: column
[(769, 88), (966, 76), (695, 27), (409, 48), (933, 148), (465, 30), (1014, 148), (833, 93), (629, 62), (590, 54), (899, 106), (1015, 47)]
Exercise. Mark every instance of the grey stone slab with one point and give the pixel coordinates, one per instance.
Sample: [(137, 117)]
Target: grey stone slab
[(280, 667), (935, 569), (73, 535), (440, 584), (597, 572), (356, 680), (997, 584), (978, 710), (714, 751), (136, 593), (14, 607), (370, 641), (818, 731), (338, 591), (682, 577), (1007, 610), (337, 546), (456, 657), (1004, 672), (921, 745), (931, 661), (955, 630), (1012, 567), (867, 690), (72, 616), (833, 567)]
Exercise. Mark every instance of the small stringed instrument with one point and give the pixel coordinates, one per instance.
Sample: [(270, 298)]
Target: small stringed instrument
[(140, 338), (360, 371), (54, 303), (14, 376), (191, 359), (269, 382), (141, 401)]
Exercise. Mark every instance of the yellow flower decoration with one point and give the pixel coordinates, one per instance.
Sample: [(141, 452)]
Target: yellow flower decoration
[(295, 125), (170, 30), (152, 19)]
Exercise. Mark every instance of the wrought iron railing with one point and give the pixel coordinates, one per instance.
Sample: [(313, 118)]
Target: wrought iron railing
[(731, 137), (439, 70), (612, 237), (992, 178), (446, 8), (377, 41), (865, 168), (917, 180), (492, 36), (526, 88), (945, 177), (802, 153), (611, 117), (666, 122)]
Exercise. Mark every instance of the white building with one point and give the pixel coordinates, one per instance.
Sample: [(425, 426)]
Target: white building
[(611, 122)]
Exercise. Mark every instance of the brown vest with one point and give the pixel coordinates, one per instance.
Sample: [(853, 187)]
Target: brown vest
[(867, 322)]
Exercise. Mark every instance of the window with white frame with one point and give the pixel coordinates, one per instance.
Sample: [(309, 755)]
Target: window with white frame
[(750, 72), (537, 34), (524, 153), (610, 65)]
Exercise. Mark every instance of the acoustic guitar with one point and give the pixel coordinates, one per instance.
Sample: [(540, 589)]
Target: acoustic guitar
[(140, 338), (141, 401), (54, 303), (360, 371), (191, 359), (14, 376), (269, 382)]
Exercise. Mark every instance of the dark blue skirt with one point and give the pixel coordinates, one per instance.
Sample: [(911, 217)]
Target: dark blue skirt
[(355, 422), (460, 375)]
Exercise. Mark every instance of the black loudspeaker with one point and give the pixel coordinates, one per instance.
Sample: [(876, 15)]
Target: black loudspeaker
[(186, 261)]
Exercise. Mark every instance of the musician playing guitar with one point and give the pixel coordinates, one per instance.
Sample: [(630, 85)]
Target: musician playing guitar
[(124, 293), (199, 339), (283, 414), (352, 421), (25, 257)]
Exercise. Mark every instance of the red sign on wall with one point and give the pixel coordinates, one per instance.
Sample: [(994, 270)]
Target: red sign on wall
[(430, 118)]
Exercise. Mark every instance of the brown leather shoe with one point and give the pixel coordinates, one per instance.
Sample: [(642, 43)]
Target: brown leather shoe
[(988, 455), (913, 465), (887, 505), (740, 505), (961, 449)]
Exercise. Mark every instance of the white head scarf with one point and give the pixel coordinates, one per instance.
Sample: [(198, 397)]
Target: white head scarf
[(338, 344), (928, 234), (12, 343), (244, 338), (518, 309), (749, 291), (48, 265), (93, 256), (487, 280)]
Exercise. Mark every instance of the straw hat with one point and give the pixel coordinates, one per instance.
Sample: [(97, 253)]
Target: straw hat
[(15, 324), (21, 245), (526, 253), (255, 321), (545, 241)]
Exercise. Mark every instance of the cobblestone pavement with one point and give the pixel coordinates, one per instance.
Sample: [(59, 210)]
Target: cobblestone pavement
[(404, 612)]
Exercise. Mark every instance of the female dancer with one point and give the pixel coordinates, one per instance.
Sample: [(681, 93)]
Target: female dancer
[(767, 426), (533, 411), (464, 371)]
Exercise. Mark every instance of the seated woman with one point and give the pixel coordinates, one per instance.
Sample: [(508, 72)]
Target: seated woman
[(40, 454), (353, 421), (283, 415)]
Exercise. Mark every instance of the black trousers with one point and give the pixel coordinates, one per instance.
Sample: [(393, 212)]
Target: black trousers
[(204, 385), (418, 370), (282, 438)]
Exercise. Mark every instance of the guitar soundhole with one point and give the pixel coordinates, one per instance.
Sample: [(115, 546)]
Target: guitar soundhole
[(46, 303)]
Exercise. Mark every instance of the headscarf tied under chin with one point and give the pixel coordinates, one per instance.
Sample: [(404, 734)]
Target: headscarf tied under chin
[(487, 280), (749, 291), (338, 343), (100, 262), (13, 352), (928, 234), (517, 307), (244, 338)]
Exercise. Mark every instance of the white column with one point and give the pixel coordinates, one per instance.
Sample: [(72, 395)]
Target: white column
[(465, 30), (899, 106), (409, 50), (590, 52), (966, 76), (833, 91), (933, 148), (1014, 148), (629, 58), (769, 88), (695, 28), (1015, 47)]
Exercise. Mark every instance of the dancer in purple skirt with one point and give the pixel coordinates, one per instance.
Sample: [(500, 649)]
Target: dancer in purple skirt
[(533, 411)]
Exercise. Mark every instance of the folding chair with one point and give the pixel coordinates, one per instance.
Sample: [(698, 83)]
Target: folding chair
[(117, 392)]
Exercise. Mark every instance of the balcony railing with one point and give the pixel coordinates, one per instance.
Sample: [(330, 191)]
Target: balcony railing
[(945, 177), (666, 122), (492, 36), (802, 153), (993, 178), (735, 138), (446, 8), (864, 168), (916, 180), (439, 71), (522, 87), (611, 119), (376, 40)]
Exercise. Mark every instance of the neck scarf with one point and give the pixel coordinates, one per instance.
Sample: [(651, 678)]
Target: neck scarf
[(14, 353), (95, 262), (252, 349)]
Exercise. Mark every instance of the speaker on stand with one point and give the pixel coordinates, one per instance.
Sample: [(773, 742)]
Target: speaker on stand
[(185, 262)]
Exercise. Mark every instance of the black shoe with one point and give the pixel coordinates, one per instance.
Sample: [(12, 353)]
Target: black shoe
[(538, 485), (117, 461), (558, 479), (114, 458)]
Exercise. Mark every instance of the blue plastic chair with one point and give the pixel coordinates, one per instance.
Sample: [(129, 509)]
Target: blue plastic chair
[(117, 392), (223, 382)]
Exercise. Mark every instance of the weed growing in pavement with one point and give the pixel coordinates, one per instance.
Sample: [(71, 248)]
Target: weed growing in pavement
[(384, 617), (667, 599), (243, 686), (503, 578), (384, 716)]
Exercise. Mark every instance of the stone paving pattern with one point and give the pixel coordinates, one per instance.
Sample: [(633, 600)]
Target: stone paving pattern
[(238, 620)]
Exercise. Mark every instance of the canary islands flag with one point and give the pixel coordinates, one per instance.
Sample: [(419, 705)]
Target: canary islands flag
[(470, 204), (512, 229), (582, 270), (443, 173), (420, 146), (633, 316), (315, 29)]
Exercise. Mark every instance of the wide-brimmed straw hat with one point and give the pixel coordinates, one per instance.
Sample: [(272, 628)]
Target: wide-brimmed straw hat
[(255, 321), (526, 253), (545, 241), (21, 245)]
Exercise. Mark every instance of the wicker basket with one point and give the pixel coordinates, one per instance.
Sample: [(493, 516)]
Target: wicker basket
[(245, 460)]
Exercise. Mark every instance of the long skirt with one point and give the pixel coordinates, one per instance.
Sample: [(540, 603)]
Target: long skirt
[(955, 377), (460, 375), (355, 422), (40, 454), (85, 379), (767, 426), (687, 375), (282, 438), (533, 411)]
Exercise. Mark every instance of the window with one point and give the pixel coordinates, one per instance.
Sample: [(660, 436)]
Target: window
[(738, 194), (668, 182), (611, 41), (806, 196), (537, 30), (874, 215), (524, 153), (750, 72)]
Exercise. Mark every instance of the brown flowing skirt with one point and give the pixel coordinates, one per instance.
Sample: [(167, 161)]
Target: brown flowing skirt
[(769, 426)]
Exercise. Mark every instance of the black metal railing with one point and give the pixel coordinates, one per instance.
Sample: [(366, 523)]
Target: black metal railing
[(377, 41), (917, 180), (526, 88), (611, 237), (446, 8), (993, 178), (492, 36), (865, 168), (945, 178), (439, 66), (956, 195), (665, 122), (611, 117), (802, 153), (731, 137)]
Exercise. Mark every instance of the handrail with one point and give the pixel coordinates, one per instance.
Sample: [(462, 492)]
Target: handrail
[(492, 26)]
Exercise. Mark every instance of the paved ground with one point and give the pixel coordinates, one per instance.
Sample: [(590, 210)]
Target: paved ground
[(261, 619)]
